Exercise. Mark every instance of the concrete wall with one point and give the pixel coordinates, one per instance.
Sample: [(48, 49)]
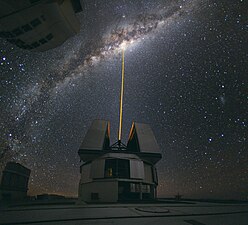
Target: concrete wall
[(12, 195), (96, 135), (97, 168), (85, 173), (148, 173), (107, 191), (136, 169)]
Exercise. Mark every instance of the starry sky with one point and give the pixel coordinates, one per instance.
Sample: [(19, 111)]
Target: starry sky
[(185, 74)]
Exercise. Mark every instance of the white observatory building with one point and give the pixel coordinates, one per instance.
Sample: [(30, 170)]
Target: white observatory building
[(118, 172)]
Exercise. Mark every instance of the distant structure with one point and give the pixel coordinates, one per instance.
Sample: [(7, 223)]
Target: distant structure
[(14, 183), (38, 25), (50, 197), (178, 197), (118, 172)]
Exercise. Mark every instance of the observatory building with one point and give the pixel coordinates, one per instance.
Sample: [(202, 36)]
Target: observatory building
[(14, 183), (38, 25), (118, 172)]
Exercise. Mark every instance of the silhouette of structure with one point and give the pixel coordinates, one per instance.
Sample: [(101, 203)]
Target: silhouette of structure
[(14, 183), (118, 172), (46, 197), (38, 25), (178, 197)]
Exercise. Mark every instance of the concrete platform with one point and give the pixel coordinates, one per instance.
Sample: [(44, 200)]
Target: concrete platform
[(172, 214)]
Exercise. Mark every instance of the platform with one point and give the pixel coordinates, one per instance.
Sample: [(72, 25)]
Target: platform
[(187, 213)]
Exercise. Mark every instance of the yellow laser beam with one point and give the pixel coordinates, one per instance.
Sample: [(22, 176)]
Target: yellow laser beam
[(121, 94)]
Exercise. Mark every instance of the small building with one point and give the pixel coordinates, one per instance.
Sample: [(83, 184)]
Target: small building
[(178, 197), (14, 182), (118, 172), (38, 25)]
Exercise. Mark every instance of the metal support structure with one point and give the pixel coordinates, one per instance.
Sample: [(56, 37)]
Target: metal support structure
[(118, 146)]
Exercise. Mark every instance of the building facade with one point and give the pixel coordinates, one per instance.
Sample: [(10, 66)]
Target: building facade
[(38, 25), (112, 174), (14, 182)]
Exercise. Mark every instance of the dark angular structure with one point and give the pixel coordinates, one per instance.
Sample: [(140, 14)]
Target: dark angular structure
[(118, 172), (39, 25), (14, 183)]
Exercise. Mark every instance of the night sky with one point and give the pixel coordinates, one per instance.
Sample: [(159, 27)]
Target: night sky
[(185, 74)]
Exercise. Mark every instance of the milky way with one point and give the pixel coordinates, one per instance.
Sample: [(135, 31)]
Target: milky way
[(142, 26)]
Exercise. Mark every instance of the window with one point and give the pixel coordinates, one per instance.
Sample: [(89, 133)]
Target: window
[(94, 196), (123, 168), (43, 17), (35, 22), (33, 1), (6, 179), (17, 32), (43, 41), (135, 187), (35, 44), (146, 188), (49, 37), (6, 34), (26, 27), (117, 168)]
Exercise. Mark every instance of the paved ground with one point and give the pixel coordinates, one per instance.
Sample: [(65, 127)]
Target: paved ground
[(155, 214)]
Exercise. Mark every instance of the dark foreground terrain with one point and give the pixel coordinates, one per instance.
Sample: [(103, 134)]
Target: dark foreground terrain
[(171, 213)]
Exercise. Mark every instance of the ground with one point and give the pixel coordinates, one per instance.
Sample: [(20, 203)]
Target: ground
[(184, 213)]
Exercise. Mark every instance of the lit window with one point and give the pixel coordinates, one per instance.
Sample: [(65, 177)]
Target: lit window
[(117, 168)]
